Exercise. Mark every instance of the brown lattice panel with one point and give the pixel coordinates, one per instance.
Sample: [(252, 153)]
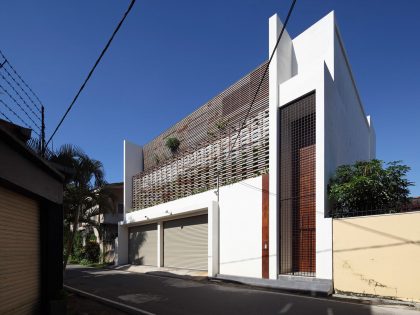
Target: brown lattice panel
[(195, 170), (227, 109)]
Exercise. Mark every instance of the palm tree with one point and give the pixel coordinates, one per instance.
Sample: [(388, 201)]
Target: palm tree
[(83, 194)]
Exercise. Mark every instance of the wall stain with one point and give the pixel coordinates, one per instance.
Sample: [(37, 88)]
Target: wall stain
[(371, 282)]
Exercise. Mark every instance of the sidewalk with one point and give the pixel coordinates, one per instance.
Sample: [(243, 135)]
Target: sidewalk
[(163, 271)]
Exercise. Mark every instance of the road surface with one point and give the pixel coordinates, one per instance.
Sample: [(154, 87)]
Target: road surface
[(154, 294)]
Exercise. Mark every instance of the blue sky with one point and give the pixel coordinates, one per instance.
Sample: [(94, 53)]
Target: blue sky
[(170, 57)]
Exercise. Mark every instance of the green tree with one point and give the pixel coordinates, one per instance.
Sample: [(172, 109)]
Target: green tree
[(83, 196), (369, 185)]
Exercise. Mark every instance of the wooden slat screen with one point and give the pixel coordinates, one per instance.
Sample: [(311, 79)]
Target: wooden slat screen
[(229, 108), (196, 171), (206, 136)]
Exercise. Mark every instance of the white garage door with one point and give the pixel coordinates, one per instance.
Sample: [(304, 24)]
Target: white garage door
[(19, 254), (185, 243), (142, 248)]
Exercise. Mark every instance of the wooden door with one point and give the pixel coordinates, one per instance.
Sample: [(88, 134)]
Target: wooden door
[(306, 210)]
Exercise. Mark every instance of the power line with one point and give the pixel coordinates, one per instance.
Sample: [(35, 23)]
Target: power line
[(263, 76), (20, 78), (256, 92), (93, 69)]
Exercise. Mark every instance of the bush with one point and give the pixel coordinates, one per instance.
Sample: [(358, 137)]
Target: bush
[(172, 144), (78, 250), (368, 185), (92, 252)]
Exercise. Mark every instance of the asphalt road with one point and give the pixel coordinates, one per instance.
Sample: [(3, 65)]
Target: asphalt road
[(172, 296)]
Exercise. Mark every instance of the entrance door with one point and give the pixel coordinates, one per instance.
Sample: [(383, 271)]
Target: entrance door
[(306, 211)]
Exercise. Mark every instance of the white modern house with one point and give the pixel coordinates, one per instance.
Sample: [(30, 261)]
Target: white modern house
[(257, 207)]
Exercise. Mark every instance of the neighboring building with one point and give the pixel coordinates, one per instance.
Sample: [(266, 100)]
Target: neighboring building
[(31, 228), (106, 227), (415, 203), (270, 218)]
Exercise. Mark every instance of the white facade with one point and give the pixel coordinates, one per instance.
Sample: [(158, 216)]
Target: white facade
[(314, 61), (232, 246)]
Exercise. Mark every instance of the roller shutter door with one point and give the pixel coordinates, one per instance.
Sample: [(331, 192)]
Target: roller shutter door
[(142, 248), (20, 253), (185, 243)]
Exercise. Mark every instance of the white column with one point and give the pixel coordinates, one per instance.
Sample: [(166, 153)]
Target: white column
[(133, 164), (213, 239), (280, 71), (160, 244), (121, 245)]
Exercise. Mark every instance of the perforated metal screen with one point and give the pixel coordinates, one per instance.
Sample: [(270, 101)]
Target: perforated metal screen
[(297, 187)]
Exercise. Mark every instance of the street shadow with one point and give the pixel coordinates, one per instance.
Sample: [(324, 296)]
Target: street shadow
[(181, 296)]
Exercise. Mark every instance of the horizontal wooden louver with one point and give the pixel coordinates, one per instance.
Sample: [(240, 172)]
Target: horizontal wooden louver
[(196, 171), (20, 254), (229, 107)]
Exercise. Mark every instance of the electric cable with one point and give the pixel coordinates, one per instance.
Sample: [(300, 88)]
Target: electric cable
[(92, 70)]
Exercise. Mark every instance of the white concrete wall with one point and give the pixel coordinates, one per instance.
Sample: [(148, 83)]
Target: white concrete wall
[(315, 46), (372, 141), (235, 233), (282, 68), (342, 129), (241, 228)]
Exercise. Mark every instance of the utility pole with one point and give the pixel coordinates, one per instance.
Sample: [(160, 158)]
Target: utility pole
[(42, 131)]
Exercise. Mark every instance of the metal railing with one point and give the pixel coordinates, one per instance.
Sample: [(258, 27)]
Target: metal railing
[(412, 204)]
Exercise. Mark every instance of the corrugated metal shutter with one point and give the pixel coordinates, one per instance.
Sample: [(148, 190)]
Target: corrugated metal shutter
[(142, 248), (185, 243), (20, 254)]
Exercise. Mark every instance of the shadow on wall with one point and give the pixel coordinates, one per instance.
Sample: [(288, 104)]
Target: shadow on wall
[(378, 255), (136, 241)]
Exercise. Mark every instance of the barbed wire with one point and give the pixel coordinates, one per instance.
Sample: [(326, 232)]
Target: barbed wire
[(17, 103), (5, 116), (17, 93), (20, 86), (17, 116), (20, 78)]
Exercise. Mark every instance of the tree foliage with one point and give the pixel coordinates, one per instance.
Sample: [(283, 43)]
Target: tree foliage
[(84, 196), (369, 185)]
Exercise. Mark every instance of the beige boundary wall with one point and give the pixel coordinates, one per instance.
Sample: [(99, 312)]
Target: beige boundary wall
[(378, 255)]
